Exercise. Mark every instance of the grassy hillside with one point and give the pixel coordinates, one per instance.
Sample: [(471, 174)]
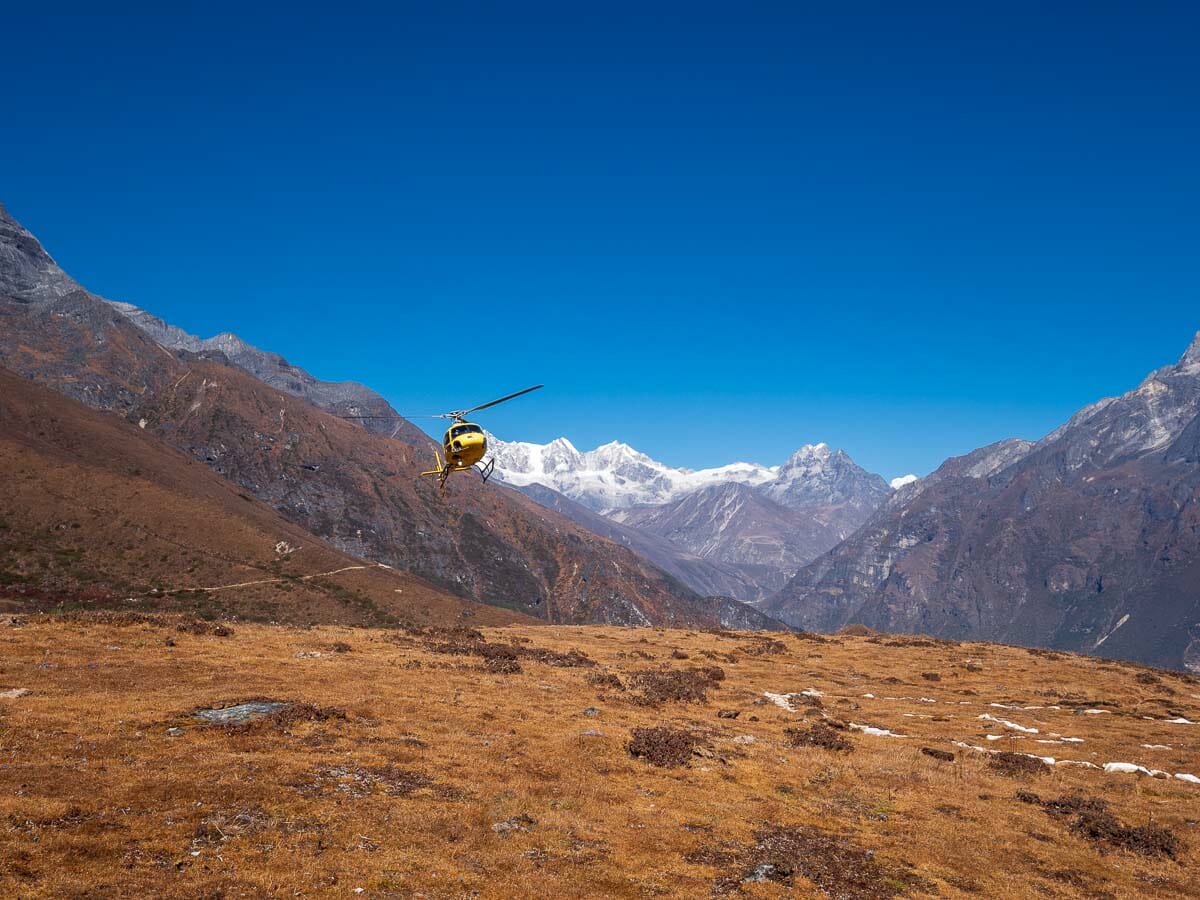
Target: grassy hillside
[(579, 761)]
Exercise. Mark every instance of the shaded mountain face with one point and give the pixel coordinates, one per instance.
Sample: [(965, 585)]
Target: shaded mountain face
[(1087, 540), (736, 525), (705, 576), (357, 490)]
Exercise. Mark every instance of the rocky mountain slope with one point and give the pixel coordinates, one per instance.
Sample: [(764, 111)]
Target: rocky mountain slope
[(1087, 540), (359, 491), (95, 511), (705, 576), (736, 525)]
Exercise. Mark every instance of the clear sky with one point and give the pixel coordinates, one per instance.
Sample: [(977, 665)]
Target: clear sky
[(715, 231)]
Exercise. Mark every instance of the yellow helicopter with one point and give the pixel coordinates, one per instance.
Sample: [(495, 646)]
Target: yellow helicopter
[(464, 442)]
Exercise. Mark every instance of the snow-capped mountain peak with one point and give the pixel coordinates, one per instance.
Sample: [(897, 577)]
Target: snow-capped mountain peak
[(612, 476)]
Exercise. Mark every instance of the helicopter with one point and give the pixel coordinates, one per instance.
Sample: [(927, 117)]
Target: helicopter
[(464, 442)]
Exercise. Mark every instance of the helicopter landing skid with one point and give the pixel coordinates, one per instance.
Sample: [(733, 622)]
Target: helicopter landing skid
[(485, 470)]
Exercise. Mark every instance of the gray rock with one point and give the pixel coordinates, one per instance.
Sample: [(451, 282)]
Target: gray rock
[(760, 873), (243, 712), (591, 712), (516, 823)]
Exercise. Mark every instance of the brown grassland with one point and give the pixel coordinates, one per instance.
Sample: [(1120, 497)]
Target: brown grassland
[(451, 763)]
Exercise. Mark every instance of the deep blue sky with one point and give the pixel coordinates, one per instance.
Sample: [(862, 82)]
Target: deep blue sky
[(715, 232)]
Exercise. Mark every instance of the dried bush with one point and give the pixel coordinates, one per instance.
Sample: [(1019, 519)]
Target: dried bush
[(1016, 765), (818, 735), (764, 647), (664, 747), (680, 685), (1093, 821), (605, 680), (943, 755), (835, 865)]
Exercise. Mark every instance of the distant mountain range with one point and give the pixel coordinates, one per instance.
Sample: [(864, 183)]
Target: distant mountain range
[(759, 524)]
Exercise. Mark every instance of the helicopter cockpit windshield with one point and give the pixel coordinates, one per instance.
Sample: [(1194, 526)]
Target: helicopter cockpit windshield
[(459, 430)]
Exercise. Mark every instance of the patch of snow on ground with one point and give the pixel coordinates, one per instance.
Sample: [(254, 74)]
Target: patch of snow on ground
[(1007, 724)]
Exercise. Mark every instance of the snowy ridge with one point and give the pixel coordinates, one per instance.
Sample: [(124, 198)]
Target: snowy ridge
[(614, 475)]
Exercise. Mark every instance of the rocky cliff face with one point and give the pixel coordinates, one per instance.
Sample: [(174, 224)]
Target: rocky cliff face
[(1087, 540), (358, 490)]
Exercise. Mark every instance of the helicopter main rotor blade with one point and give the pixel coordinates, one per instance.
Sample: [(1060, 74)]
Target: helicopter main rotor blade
[(356, 418), (467, 412)]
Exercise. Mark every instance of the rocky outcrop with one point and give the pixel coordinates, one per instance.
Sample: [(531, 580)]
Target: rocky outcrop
[(1087, 540)]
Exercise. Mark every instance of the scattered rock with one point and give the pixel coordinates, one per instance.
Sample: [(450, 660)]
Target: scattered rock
[(591, 712), (931, 676), (728, 714), (943, 755), (174, 732), (11, 621), (516, 823), (241, 713), (745, 739), (591, 732), (15, 694), (760, 873)]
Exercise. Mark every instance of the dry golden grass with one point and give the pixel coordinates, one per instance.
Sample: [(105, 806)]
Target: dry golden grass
[(452, 775)]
